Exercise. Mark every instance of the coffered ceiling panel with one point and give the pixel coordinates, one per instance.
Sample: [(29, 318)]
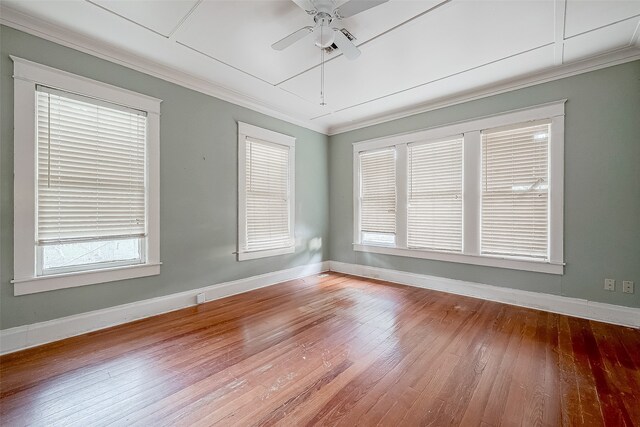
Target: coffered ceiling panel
[(586, 15), (455, 38), (445, 89), (605, 39), (240, 33), (161, 16), (415, 53)]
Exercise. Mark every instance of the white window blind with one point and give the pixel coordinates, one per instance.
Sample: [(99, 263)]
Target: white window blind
[(91, 169), (378, 196), (435, 195), (267, 183), (515, 187)]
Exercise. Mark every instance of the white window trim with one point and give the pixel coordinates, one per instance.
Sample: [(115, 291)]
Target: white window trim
[(472, 186), (246, 130), (27, 75)]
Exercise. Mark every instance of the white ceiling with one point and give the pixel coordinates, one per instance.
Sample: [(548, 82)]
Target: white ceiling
[(415, 53)]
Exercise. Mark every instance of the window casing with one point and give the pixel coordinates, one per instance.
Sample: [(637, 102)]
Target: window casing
[(486, 191), (266, 168), (86, 170)]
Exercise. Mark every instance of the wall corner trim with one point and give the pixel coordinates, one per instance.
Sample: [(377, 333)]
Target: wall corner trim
[(592, 310), (23, 337)]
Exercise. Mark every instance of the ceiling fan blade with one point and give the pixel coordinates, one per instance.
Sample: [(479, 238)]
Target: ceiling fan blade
[(353, 7), (346, 46), (292, 38), (305, 5)]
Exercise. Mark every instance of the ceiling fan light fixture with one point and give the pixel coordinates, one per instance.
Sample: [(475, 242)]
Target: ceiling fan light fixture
[(323, 36)]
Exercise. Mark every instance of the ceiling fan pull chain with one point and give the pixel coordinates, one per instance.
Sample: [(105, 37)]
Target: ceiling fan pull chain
[(322, 77)]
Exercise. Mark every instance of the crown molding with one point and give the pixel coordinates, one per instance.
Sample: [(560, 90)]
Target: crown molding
[(45, 30), (621, 56)]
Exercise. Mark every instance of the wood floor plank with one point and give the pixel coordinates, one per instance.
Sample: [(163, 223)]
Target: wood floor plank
[(591, 404), (502, 330), (624, 376), (332, 350), (572, 413)]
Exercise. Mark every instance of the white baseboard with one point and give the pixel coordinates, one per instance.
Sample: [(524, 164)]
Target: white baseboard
[(26, 336), (592, 310)]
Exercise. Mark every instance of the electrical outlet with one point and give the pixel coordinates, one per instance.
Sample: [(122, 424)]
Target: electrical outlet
[(609, 284), (627, 286)]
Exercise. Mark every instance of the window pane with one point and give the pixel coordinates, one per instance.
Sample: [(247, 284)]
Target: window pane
[(91, 169), (435, 195), (86, 253), (515, 191), (379, 239), (378, 192)]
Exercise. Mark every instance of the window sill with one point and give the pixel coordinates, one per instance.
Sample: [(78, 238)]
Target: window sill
[(34, 285), (243, 256), (513, 264)]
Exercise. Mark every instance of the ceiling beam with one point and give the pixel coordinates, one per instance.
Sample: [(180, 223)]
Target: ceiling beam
[(559, 30)]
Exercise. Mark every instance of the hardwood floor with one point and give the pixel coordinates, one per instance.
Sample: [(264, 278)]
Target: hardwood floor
[(333, 350)]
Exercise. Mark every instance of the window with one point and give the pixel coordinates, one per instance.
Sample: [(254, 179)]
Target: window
[(91, 152), (91, 180), (266, 192), (515, 191), (378, 197), (435, 195), (486, 192)]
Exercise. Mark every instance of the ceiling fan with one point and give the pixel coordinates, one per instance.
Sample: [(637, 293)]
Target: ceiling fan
[(325, 32)]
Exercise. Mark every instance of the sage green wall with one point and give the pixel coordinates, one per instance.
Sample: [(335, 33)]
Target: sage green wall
[(198, 209), (602, 186), (199, 187)]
